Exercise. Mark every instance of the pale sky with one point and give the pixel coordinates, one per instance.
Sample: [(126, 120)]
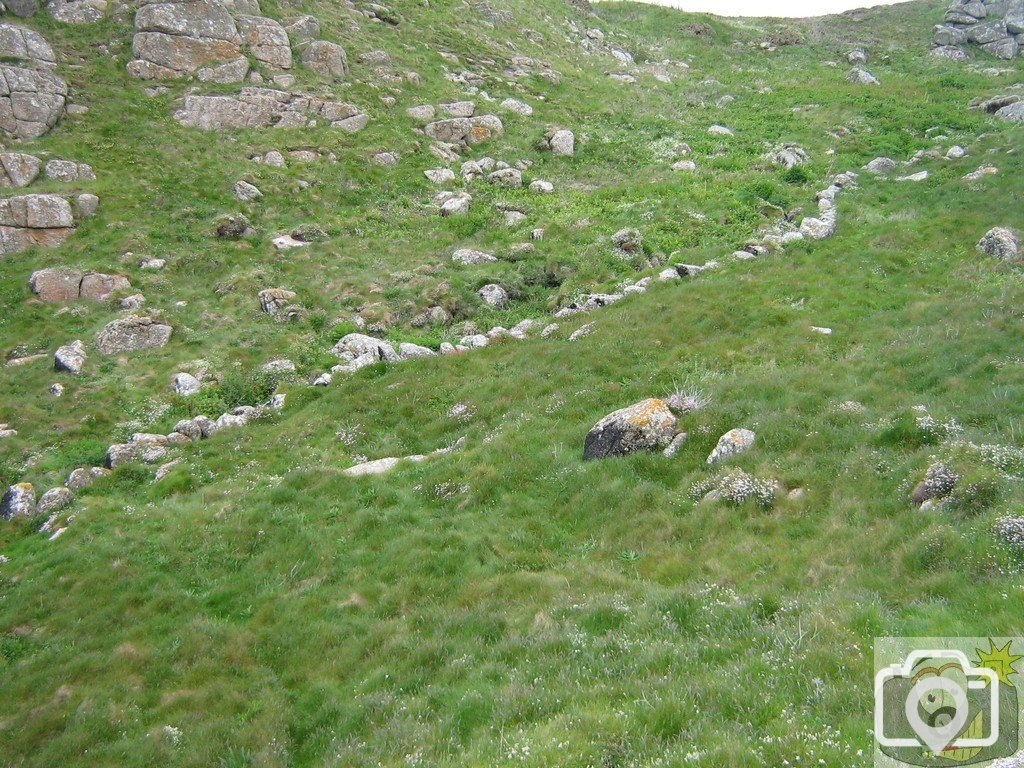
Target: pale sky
[(786, 8)]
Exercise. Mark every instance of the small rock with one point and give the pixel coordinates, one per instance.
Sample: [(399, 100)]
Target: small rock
[(469, 256), (246, 192), (860, 76), (440, 175), (57, 390), (733, 442), (675, 445), (542, 187), (185, 384), (71, 358), (1000, 243), (493, 295)]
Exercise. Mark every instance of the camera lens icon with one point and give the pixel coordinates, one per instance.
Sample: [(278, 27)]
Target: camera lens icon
[(937, 710), (938, 700)]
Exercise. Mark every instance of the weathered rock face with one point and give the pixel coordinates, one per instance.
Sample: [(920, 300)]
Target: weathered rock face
[(77, 11), (997, 26), (267, 41), (17, 42), (27, 220), (68, 171), (465, 130), (31, 102), (70, 358), (61, 284), (325, 58), (18, 169), (174, 39), (266, 108), (132, 333), (649, 425)]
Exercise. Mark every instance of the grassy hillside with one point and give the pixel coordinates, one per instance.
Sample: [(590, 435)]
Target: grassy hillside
[(509, 604)]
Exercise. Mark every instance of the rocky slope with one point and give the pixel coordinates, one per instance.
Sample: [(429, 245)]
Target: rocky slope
[(486, 382)]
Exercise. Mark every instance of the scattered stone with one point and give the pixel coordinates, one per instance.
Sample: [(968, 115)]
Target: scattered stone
[(881, 165), (719, 130), (857, 57), (185, 384), (132, 333), (69, 171), (956, 152), (83, 478), (273, 300), (520, 108), (469, 256), (542, 187), (675, 445), (733, 442), (407, 351), (266, 108), (584, 330), (458, 108), (789, 156), (233, 227), (456, 204), (246, 192), (919, 176), (18, 169), (982, 172), (88, 205), (153, 264), (561, 142), (1000, 243), (57, 390), (1013, 112), (684, 165), (440, 175), (55, 500), (645, 426), (860, 76), (18, 501), (389, 159), (493, 295), (70, 358), (62, 285), (506, 177), (422, 113)]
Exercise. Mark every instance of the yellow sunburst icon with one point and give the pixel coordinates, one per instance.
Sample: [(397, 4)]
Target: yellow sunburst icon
[(999, 660)]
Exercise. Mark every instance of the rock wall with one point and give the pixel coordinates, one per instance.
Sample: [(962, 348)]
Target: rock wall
[(997, 26)]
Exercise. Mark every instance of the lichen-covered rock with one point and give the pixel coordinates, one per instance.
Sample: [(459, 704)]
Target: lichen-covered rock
[(83, 478), (733, 442), (175, 39), (31, 102), (994, 25), (561, 142), (185, 384), (267, 41), (356, 345), (273, 300), (649, 425), (860, 76), (18, 169), (17, 42), (1000, 243), (19, 500), (325, 58), (54, 500), (70, 358), (68, 171), (493, 295), (266, 108), (27, 220), (470, 256), (62, 284), (132, 333)]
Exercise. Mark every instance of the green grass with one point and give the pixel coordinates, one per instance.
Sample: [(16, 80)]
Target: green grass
[(509, 604)]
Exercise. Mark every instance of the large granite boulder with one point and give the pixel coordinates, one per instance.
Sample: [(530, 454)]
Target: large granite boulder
[(173, 40), (649, 425), (27, 220), (132, 333), (31, 102), (17, 42)]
